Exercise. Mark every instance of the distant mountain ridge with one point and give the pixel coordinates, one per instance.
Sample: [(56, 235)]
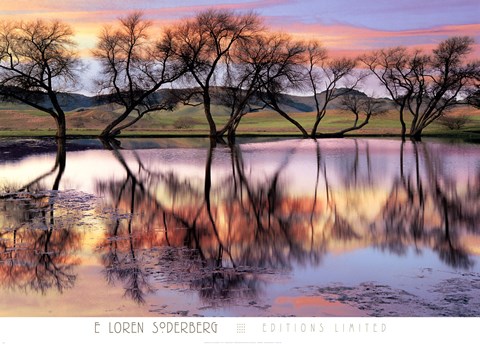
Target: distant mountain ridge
[(291, 103)]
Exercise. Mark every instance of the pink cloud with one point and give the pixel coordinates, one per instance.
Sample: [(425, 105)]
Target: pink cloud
[(88, 16), (351, 38), (40, 7)]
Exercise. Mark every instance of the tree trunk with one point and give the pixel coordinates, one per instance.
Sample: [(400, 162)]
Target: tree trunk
[(315, 127), (341, 133), (108, 131), (416, 135), (57, 113), (290, 119), (231, 135), (61, 125), (208, 113), (402, 122)]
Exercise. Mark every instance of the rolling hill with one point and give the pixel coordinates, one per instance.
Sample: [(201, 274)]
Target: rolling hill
[(89, 115)]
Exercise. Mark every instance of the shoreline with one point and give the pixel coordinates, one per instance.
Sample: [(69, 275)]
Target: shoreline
[(464, 135)]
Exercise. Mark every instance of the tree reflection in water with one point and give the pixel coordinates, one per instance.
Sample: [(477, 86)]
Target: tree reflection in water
[(37, 245), (426, 207), (223, 233)]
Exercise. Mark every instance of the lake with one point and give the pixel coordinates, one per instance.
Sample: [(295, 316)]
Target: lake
[(167, 227)]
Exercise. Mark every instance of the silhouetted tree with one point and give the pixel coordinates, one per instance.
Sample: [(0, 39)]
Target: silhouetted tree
[(271, 65), (241, 81), (203, 43), (327, 74), (38, 61), (134, 67), (454, 122), (426, 85), (279, 58), (360, 105)]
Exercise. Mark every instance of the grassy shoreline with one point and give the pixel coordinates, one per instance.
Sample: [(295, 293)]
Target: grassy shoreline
[(190, 122), (451, 134)]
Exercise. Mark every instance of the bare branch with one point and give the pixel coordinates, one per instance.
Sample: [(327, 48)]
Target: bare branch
[(38, 60), (427, 85), (134, 67)]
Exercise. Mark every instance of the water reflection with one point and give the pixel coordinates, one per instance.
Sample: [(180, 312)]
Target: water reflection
[(225, 221), (37, 245), (221, 232), (427, 208), (187, 221)]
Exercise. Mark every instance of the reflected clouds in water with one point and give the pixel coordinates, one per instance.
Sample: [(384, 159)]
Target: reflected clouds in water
[(222, 233)]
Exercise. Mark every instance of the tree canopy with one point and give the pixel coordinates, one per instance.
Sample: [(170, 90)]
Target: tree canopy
[(38, 60), (426, 85), (232, 59)]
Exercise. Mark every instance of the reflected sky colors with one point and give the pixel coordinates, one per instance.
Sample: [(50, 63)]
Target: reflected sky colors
[(344, 26), (280, 228)]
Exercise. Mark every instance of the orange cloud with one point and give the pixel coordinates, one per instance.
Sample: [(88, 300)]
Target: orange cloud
[(87, 18)]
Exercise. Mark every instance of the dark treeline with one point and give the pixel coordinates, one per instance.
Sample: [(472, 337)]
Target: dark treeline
[(231, 58)]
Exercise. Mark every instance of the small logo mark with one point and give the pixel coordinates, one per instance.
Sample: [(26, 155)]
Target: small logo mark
[(241, 328)]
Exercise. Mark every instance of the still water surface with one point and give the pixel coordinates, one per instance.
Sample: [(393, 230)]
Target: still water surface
[(345, 227)]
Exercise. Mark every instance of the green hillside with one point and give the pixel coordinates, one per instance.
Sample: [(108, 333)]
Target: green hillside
[(89, 115)]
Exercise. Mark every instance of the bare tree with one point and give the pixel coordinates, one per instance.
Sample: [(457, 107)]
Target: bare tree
[(282, 65), (204, 42), (244, 68), (38, 61), (280, 60), (360, 105), (135, 67), (454, 122), (327, 74), (426, 85)]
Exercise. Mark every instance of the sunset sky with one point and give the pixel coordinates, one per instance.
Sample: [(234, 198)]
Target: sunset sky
[(342, 25)]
